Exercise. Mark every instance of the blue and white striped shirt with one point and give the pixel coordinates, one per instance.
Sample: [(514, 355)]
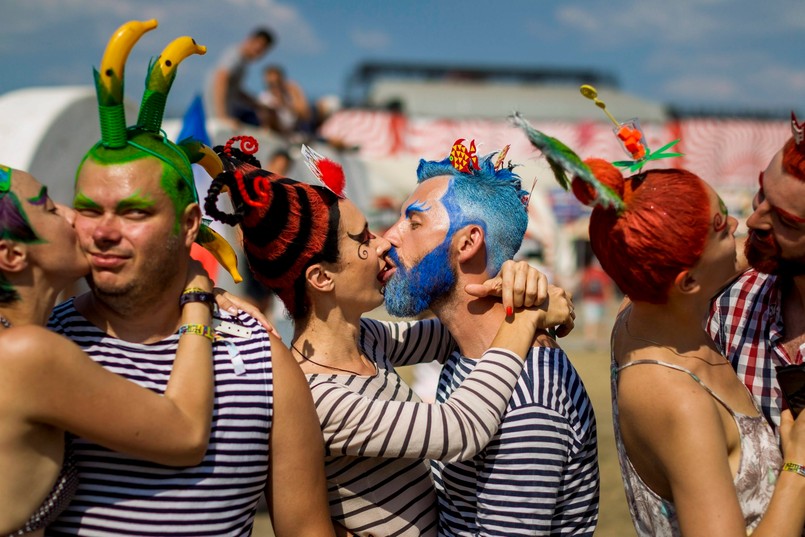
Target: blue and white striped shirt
[(121, 495), (539, 474)]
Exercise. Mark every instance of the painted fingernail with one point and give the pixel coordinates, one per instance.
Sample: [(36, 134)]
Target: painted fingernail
[(509, 311)]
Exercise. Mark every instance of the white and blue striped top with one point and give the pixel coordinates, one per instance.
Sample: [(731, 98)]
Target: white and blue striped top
[(539, 474), (377, 432), (120, 495)]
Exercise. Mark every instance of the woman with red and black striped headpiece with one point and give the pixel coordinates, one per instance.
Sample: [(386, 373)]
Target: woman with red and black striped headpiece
[(313, 248)]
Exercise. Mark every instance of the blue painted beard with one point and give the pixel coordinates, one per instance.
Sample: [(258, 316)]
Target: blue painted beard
[(409, 292)]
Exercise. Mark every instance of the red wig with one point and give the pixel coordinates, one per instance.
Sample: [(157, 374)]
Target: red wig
[(794, 159), (661, 232)]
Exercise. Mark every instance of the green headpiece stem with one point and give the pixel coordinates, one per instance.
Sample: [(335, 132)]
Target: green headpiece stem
[(113, 125), (109, 81), (152, 110), (161, 74), (119, 144)]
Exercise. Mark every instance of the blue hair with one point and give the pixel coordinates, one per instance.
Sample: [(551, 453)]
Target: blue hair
[(485, 197)]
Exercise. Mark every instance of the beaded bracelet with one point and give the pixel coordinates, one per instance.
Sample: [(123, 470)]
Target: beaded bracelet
[(199, 330), (794, 467)]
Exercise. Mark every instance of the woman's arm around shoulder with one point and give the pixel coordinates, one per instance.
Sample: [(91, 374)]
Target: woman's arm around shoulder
[(409, 342), (57, 384), (66, 389)]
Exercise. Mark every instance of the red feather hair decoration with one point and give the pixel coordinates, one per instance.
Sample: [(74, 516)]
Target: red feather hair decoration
[(329, 172)]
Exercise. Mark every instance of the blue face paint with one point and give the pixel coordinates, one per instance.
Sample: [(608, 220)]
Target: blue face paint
[(416, 207), (409, 292), (487, 197)]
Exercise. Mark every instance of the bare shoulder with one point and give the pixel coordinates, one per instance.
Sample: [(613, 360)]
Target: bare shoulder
[(32, 343), (662, 398), (32, 357)]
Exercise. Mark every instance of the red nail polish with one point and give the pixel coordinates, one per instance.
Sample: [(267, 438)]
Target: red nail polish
[(509, 311)]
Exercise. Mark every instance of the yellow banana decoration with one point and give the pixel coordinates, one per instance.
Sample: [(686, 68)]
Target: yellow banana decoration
[(118, 48), (176, 51), (198, 153), (221, 250), (210, 162), (162, 72)]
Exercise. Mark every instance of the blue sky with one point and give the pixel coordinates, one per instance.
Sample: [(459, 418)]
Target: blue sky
[(713, 54)]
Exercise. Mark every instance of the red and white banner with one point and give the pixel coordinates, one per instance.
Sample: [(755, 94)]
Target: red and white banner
[(727, 153)]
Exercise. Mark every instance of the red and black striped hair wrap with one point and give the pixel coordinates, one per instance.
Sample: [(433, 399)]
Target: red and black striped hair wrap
[(287, 225)]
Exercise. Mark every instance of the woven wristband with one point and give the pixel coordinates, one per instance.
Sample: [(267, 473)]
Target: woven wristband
[(199, 330), (794, 467)]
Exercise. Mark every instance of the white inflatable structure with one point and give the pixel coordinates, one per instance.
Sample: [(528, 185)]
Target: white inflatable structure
[(47, 131)]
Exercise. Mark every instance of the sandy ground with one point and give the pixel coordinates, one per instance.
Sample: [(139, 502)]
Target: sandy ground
[(593, 366)]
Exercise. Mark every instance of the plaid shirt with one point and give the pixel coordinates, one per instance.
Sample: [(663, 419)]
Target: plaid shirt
[(746, 322)]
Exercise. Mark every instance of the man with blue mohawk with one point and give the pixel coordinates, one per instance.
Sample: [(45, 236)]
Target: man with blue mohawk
[(539, 474)]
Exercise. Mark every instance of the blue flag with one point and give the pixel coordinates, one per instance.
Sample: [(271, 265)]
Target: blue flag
[(194, 123)]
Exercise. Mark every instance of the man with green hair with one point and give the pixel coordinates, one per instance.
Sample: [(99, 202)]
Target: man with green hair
[(137, 217)]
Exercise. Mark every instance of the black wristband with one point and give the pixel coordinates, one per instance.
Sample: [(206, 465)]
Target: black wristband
[(207, 298)]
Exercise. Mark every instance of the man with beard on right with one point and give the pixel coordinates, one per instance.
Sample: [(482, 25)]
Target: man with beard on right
[(538, 475), (758, 321)]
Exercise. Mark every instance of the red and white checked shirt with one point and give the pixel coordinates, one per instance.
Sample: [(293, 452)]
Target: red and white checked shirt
[(746, 322)]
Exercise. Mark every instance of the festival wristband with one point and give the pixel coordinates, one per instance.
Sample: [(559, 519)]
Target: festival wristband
[(794, 467), (194, 290), (197, 296), (198, 329)]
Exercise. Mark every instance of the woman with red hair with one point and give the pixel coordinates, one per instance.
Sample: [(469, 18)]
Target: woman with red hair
[(697, 456)]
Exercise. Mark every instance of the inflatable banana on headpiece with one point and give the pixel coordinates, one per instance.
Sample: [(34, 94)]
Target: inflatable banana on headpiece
[(109, 81), (161, 73), (119, 142)]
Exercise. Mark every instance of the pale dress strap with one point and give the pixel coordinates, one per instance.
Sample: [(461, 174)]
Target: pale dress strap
[(684, 370)]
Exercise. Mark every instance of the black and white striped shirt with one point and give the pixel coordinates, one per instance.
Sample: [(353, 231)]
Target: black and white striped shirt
[(377, 432), (539, 474), (120, 495)]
